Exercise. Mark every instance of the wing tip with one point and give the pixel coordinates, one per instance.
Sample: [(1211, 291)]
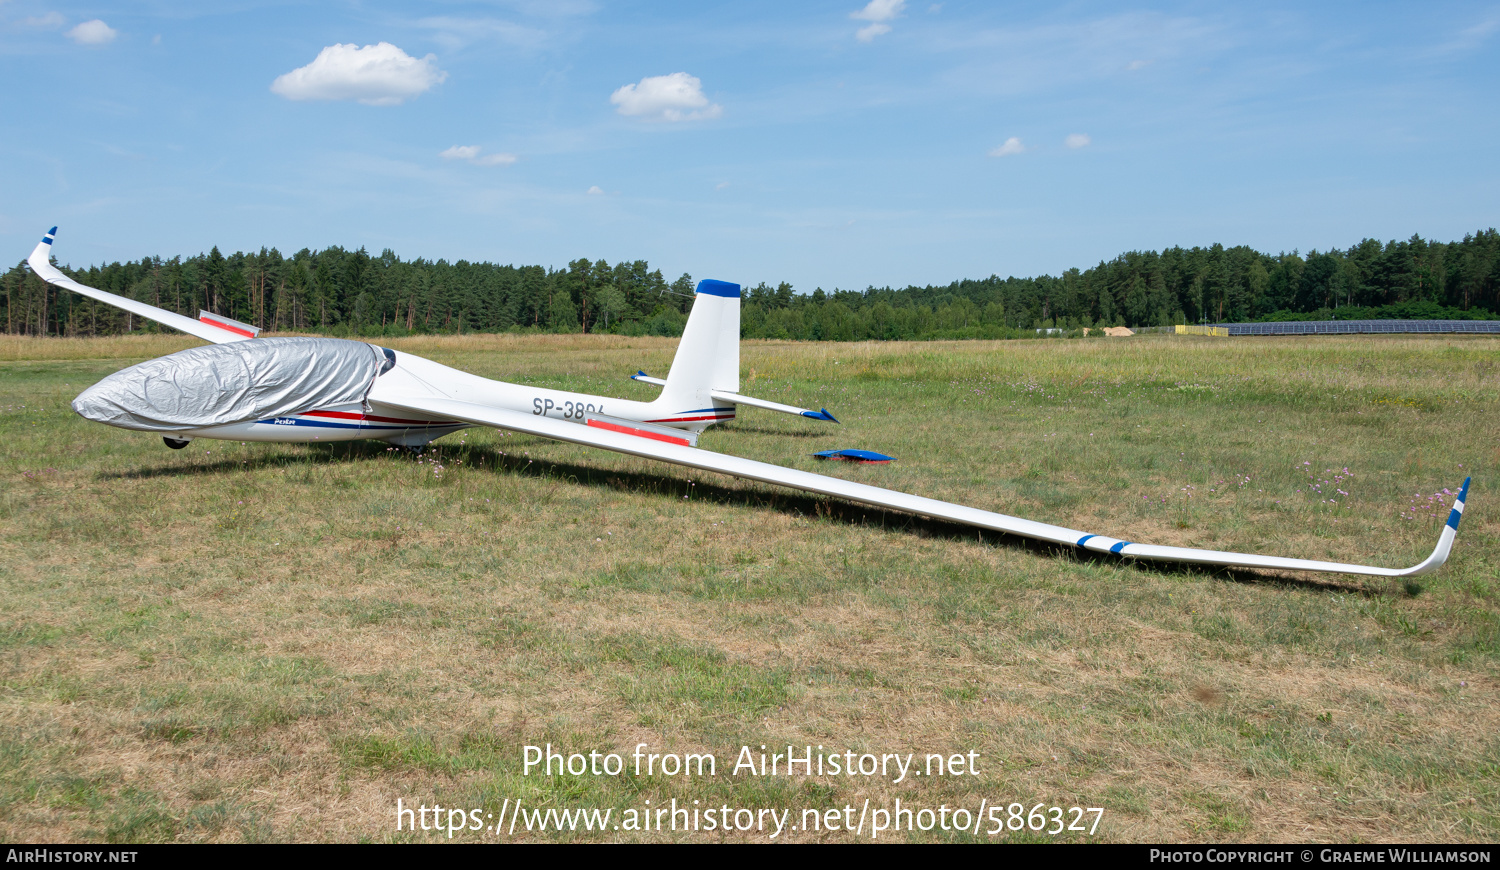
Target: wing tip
[(51, 234), (820, 415), (1457, 513)]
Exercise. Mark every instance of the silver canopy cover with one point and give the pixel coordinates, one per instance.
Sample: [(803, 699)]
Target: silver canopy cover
[(235, 382)]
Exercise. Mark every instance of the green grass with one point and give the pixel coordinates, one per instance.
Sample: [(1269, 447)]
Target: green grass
[(275, 642)]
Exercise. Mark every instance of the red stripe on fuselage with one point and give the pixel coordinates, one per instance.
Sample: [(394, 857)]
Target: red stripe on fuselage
[(349, 415)]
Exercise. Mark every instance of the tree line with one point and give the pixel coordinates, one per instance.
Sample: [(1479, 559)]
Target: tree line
[(351, 293)]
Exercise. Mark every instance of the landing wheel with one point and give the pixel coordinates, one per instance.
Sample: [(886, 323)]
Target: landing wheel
[(174, 443)]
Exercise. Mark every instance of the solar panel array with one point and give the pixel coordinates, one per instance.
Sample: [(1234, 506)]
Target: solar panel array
[(1347, 327)]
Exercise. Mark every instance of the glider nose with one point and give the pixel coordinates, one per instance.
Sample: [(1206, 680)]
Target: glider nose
[(91, 404)]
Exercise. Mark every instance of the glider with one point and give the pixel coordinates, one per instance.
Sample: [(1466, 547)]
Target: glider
[(246, 388)]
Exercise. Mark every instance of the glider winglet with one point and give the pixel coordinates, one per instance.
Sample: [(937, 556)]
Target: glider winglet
[(1458, 505), (819, 415), (647, 379), (40, 262), (1450, 531)]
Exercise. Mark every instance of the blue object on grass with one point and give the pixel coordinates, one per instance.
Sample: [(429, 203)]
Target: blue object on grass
[(855, 455)]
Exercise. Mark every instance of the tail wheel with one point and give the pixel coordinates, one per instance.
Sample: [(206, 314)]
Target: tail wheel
[(174, 443)]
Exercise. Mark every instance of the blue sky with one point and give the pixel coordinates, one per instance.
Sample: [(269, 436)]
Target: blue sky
[(832, 144)]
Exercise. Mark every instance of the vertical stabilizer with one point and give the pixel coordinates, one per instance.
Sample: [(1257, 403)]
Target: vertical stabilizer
[(708, 359)]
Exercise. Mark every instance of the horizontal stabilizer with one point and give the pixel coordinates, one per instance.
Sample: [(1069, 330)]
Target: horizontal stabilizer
[(738, 399)]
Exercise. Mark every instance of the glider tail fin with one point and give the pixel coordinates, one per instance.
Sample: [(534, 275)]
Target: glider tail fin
[(704, 383), (708, 357)]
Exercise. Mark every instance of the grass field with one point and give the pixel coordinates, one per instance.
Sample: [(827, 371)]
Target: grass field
[(276, 642)]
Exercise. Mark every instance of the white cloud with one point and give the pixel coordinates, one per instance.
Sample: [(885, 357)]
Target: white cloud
[(596, 190), (1077, 140), (472, 154), (1137, 65), (721, 185), (93, 32), (1011, 146), (677, 97), (51, 19), (877, 12), (376, 75)]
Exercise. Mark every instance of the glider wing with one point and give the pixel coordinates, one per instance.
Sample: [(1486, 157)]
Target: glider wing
[(41, 263), (693, 457)]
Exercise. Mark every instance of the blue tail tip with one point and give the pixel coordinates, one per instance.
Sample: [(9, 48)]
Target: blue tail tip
[(710, 287), (52, 232), (1463, 493)]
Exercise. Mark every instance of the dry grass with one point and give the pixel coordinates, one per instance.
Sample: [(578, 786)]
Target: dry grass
[(276, 642)]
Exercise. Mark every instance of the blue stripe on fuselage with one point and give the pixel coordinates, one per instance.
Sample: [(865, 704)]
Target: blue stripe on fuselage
[(324, 424)]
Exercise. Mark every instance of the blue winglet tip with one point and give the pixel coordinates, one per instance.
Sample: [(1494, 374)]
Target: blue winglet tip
[(1456, 514), (820, 415), (639, 374), (52, 233)]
